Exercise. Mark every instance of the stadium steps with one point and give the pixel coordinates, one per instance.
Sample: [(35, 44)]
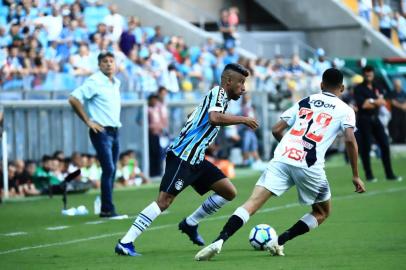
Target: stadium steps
[(333, 26)]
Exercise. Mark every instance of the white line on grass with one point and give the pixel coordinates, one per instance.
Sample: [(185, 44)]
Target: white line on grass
[(276, 208), (57, 228), (14, 233)]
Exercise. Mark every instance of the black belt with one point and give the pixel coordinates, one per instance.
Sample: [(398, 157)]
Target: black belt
[(111, 128)]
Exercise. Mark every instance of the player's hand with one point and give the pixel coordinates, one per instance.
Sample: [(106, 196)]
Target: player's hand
[(381, 101), (359, 185), (250, 122), (96, 128)]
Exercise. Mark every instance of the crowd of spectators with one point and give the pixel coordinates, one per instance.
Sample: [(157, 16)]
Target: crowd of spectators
[(30, 178), (391, 16), (48, 45)]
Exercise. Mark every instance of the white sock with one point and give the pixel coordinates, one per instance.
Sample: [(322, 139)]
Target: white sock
[(310, 221), (142, 222), (210, 206), (242, 213)]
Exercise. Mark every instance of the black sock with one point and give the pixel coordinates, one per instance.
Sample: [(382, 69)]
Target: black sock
[(298, 229), (233, 224)]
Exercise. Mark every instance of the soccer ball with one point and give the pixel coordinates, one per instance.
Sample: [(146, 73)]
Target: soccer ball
[(260, 235)]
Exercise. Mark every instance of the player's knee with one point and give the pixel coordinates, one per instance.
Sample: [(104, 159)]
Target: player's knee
[(108, 169), (230, 194)]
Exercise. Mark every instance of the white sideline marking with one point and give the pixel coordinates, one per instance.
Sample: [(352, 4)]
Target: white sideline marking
[(372, 193), (14, 233), (95, 222), (57, 228)]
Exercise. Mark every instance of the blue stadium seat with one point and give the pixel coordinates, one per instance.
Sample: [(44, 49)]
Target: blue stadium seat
[(3, 11)]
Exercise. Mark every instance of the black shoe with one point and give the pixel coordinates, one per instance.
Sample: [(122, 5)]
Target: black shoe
[(191, 231), (395, 178), (108, 214)]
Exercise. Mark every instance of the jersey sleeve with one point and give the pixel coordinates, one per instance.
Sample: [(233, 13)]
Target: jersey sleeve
[(289, 116), (217, 100), (348, 120), (84, 92)]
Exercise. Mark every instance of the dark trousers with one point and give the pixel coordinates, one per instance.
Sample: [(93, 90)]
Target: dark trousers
[(397, 126), (370, 127), (155, 156), (107, 149)]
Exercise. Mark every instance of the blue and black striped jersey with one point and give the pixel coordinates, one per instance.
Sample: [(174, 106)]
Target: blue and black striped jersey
[(197, 134)]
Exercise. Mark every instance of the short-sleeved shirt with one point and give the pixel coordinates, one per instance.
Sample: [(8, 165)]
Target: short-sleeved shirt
[(101, 99), (314, 123), (362, 93), (197, 134)]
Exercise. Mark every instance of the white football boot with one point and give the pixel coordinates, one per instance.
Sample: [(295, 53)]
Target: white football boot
[(274, 249), (210, 251)]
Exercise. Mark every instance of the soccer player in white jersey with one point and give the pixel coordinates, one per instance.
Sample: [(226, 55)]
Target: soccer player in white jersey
[(186, 165), (312, 123)]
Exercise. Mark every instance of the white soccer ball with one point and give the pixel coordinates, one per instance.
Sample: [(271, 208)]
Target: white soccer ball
[(260, 235)]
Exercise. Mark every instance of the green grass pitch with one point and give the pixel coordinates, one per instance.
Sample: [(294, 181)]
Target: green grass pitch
[(365, 231)]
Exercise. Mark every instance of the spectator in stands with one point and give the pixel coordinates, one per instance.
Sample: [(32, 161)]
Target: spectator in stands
[(172, 83), (158, 37), (321, 64), (12, 180), (127, 38), (397, 125), (115, 22), (295, 67), (156, 128), (26, 179), (5, 39), (82, 62), (13, 68), (364, 9), (129, 173), (226, 29), (44, 179), (52, 23), (400, 24), (384, 13), (369, 99)]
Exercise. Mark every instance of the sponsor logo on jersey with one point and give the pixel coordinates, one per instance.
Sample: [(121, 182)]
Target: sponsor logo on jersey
[(302, 142), (320, 103), (179, 184)]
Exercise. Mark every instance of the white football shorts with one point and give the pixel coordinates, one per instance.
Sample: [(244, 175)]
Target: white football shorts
[(311, 183)]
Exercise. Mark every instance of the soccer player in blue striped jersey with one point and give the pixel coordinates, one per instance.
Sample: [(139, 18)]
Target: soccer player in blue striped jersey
[(186, 165)]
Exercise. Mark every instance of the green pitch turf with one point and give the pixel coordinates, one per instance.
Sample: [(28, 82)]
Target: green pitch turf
[(365, 231)]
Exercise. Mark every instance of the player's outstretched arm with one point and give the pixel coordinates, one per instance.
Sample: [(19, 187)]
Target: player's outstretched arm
[(219, 119), (352, 151), (278, 129)]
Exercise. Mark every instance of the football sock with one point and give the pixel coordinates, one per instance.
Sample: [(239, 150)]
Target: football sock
[(305, 224), (142, 222), (234, 223), (210, 206)]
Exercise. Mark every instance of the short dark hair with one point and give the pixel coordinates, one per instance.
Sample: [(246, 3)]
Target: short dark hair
[(332, 78), (368, 69), (237, 68), (103, 55)]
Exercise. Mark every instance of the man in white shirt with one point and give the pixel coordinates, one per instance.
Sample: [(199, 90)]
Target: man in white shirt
[(313, 124), (114, 21), (97, 102)]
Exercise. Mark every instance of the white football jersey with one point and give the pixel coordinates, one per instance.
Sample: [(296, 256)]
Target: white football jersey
[(314, 123)]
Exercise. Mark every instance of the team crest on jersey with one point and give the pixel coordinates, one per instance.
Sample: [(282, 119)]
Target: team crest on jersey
[(179, 184), (320, 103)]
